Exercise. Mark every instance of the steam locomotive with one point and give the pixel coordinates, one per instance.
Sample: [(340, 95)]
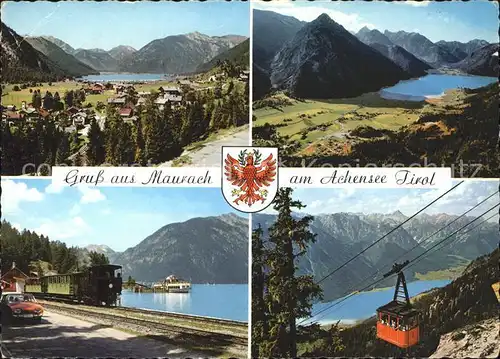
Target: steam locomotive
[(99, 285)]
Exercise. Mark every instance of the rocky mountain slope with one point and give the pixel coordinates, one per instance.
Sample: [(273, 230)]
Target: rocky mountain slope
[(482, 62), (395, 53), (403, 59), (104, 249), (374, 36), (461, 50), (121, 52), (21, 62), (479, 340), (98, 59), (261, 83), (340, 236), (422, 47), (324, 60), (64, 46), (173, 54), (58, 56), (270, 31), (179, 53), (238, 55), (211, 249)]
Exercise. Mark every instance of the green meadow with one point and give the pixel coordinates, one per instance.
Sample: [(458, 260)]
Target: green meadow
[(310, 121)]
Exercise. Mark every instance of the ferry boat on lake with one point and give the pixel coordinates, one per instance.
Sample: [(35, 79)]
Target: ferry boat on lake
[(172, 284)]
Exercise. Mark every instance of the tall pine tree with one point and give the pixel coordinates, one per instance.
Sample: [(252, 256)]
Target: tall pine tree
[(288, 297), (95, 146), (259, 312)]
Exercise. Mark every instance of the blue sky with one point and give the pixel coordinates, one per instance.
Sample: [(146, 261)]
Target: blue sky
[(107, 24), (118, 217), (408, 201), (456, 20)]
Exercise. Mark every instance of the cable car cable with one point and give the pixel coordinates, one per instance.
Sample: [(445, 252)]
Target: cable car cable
[(427, 238), (409, 264), (381, 279), (418, 258), (413, 260), (391, 231), (350, 292)]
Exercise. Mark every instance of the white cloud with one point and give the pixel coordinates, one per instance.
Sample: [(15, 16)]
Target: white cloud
[(63, 230), (14, 193), (274, 3), (413, 3), (90, 195), (461, 199), (75, 210), (54, 188), (352, 22)]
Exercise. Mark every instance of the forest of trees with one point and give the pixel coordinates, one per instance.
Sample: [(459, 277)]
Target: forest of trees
[(280, 297), (157, 136), (15, 74), (29, 250)]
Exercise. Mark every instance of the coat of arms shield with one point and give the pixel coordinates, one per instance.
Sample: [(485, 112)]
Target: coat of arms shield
[(249, 177)]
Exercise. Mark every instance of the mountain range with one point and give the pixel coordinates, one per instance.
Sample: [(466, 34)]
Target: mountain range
[(179, 53), (238, 55), (49, 58), (203, 250), (340, 236), (461, 50), (482, 62), (404, 59), (322, 59), (24, 61), (65, 61), (270, 31), (99, 60), (422, 47)]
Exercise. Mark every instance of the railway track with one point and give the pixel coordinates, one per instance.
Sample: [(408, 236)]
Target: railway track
[(118, 317), (159, 313), (225, 322)]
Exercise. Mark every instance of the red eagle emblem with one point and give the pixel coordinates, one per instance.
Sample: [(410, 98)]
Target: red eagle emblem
[(250, 175)]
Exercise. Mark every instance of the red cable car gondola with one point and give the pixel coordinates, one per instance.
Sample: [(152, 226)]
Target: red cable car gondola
[(398, 321)]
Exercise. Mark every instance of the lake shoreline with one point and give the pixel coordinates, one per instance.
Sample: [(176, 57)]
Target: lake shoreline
[(362, 305), (433, 86), (118, 77), (224, 301)]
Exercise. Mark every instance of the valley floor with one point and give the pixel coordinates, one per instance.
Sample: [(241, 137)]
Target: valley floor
[(16, 98), (316, 122), (325, 127)]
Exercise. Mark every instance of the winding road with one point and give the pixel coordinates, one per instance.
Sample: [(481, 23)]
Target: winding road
[(210, 154)]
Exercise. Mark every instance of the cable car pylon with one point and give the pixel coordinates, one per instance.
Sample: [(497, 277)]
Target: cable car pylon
[(398, 321)]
